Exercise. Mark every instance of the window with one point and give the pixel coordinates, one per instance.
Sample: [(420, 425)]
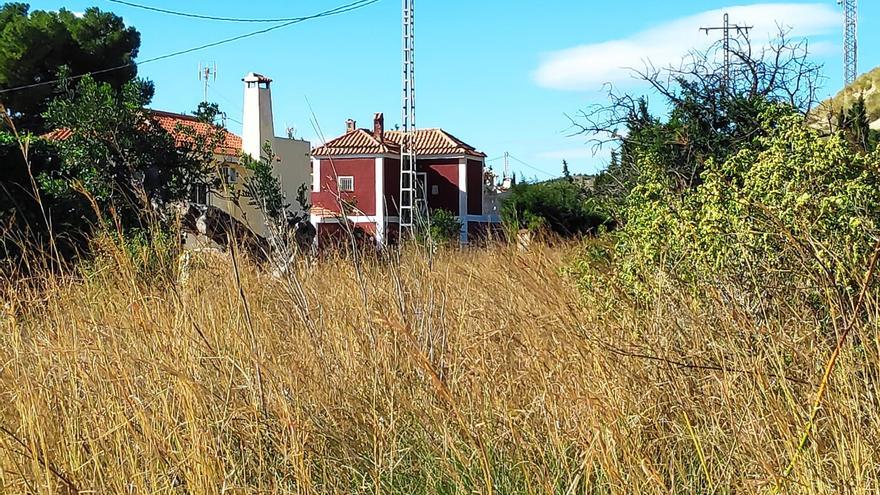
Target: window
[(198, 194), (345, 183), (229, 174)]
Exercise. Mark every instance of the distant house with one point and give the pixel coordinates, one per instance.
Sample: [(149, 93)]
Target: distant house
[(291, 166), (356, 179)]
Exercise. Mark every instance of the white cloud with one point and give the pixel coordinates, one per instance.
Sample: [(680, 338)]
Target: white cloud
[(588, 67)]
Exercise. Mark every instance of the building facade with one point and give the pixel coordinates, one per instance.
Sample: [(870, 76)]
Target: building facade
[(356, 181), (291, 164)]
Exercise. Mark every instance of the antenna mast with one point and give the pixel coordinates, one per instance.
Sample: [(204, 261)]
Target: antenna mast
[(207, 74), (408, 189), (850, 40), (726, 29)]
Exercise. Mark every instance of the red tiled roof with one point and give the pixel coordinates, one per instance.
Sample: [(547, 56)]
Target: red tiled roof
[(356, 142), (58, 135), (428, 142), (229, 145)]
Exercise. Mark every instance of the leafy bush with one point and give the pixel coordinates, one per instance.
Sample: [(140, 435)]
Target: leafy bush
[(443, 227), (561, 206), (792, 208), (116, 154)]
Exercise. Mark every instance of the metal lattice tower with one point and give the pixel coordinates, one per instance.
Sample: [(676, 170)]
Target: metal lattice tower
[(850, 40), (408, 186), (726, 29)]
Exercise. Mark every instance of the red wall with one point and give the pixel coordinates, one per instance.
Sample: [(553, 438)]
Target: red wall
[(442, 173), (392, 186), (364, 172), (334, 235), (475, 187)]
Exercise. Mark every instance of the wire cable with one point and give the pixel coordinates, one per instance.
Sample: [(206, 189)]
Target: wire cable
[(532, 167), (359, 4), (200, 16)]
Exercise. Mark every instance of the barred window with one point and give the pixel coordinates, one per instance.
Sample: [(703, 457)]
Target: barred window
[(345, 183)]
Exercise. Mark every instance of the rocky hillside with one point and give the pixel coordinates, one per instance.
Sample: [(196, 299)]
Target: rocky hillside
[(867, 85)]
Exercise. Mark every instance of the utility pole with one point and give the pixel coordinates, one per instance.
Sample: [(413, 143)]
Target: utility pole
[(408, 178), (207, 74), (850, 40), (726, 29)]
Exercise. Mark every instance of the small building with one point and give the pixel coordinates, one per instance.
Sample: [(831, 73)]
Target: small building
[(291, 165), (356, 179)]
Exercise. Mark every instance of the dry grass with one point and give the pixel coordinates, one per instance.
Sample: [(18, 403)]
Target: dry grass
[(485, 372)]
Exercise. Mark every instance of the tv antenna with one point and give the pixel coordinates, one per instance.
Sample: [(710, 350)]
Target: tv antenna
[(726, 29), (850, 40), (207, 74)]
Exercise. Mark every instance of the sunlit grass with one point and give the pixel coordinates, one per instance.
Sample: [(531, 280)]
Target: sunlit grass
[(483, 371)]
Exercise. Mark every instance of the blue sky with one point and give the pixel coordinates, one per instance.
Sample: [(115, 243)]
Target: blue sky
[(500, 75)]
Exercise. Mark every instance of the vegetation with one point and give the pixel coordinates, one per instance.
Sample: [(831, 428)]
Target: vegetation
[(722, 339), (564, 206), (483, 372), (43, 190), (711, 114), (34, 46), (442, 227), (866, 86), (802, 208), (116, 153), (768, 214)]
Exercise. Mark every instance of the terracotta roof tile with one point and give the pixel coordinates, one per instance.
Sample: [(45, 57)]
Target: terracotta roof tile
[(230, 144), (428, 142), (58, 135), (356, 142)]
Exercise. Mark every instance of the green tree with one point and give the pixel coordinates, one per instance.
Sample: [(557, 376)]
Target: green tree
[(34, 46), (117, 154), (208, 112), (855, 126), (564, 207), (711, 113), (441, 227), (791, 209)]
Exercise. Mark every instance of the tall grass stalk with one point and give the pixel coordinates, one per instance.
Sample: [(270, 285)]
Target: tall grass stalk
[(486, 371)]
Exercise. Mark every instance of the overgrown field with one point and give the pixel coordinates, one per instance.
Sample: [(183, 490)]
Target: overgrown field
[(483, 371)]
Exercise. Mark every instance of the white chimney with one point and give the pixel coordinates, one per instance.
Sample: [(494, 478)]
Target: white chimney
[(258, 126)]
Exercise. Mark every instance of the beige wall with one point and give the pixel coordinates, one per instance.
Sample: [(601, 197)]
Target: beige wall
[(223, 198), (294, 169)]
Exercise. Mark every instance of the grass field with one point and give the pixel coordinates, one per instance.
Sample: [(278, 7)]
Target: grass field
[(483, 371)]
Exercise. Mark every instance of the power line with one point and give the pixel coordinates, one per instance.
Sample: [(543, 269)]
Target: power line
[(726, 29), (536, 169), (338, 10), (201, 16)]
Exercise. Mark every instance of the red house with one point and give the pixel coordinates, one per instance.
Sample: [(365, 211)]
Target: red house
[(356, 177)]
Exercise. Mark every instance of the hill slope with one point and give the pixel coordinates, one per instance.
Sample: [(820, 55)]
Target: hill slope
[(866, 85)]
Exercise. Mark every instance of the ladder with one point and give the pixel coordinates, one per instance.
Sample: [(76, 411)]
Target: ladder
[(408, 182)]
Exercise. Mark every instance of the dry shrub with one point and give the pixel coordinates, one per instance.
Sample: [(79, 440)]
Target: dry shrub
[(483, 371)]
